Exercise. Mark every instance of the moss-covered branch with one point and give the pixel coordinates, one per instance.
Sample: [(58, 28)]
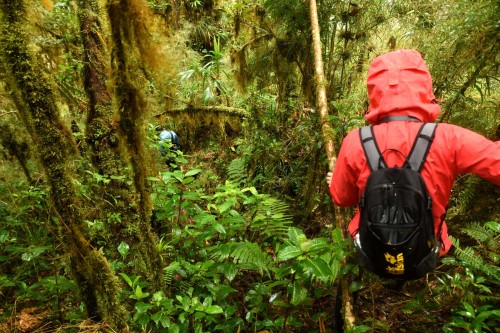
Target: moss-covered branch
[(221, 110)]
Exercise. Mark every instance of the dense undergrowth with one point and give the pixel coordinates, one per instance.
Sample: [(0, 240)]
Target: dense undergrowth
[(244, 224), (234, 261)]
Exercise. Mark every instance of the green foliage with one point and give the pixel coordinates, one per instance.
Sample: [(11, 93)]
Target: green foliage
[(31, 268), (477, 288), (234, 239), (238, 255), (236, 171), (470, 319)]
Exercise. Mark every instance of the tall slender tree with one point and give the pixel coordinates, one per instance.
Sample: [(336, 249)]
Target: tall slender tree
[(328, 137)]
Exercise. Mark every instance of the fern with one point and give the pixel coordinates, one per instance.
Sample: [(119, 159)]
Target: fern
[(248, 256), (170, 271), (236, 171), (484, 235), (272, 218), (470, 258)]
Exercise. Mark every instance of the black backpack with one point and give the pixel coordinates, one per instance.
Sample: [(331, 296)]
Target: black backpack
[(396, 236)]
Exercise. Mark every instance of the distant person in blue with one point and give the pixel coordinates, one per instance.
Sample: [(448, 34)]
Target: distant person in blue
[(169, 142)]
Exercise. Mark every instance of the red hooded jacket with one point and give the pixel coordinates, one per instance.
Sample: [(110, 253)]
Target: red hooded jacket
[(399, 83)]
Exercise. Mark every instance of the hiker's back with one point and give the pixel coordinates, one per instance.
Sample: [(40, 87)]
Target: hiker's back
[(399, 84), (396, 236)]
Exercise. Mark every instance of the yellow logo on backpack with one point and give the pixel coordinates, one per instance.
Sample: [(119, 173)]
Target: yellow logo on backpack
[(396, 264)]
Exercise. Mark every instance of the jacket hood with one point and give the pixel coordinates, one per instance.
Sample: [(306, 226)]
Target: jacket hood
[(399, 83)]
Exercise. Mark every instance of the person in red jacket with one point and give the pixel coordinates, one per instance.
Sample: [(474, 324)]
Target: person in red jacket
[(400, 86)]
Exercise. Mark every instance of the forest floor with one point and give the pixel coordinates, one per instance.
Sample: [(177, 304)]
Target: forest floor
[(411, 309)]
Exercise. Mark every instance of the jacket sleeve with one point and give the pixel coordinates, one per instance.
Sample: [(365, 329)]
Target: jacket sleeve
[(476, 154), (343, 188)]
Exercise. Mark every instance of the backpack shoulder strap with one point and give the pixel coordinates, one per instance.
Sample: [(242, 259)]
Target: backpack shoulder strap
[(370, 147), (421, 146)]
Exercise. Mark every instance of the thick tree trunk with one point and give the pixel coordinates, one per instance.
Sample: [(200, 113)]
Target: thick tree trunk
[(109, 155), (101, 131), (129, 43), (328, 137), (97, 281)]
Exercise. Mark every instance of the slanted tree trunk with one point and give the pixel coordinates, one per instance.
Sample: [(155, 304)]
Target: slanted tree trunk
[(328, 138), (53, 142), (129, 46)]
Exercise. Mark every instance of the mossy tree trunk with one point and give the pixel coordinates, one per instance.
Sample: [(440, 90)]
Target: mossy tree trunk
[(110, 157), (102, 128), (54, 147), (129, 46)]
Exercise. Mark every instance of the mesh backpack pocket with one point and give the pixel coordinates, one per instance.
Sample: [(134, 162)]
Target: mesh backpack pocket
[(396, 236)]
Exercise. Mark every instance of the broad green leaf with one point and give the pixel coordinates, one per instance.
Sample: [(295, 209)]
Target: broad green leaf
[(305, 246), (187, 180), (33, 252), (192, 172), (318, 267), (126, 278), (294, 234), (219, 228), (141, 307), (334, 269), (318, 244), (199, 315), (174, 328), (337, 235), (288, 252), (204, 218), (207, 302), (123, 248), (252, 190), (214, 309), (299, 294), (229, 270), (355, 286), (274, 297), (226, 205)]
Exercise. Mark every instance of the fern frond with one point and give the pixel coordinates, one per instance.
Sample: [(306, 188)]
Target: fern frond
[(488, 299), (236, 171), (471, 259), (251, 256), (246, 254), (170, 271), (273, 218), (483, 235)]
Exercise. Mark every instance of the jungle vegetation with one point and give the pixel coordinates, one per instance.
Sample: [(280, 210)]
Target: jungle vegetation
[(238, 234)]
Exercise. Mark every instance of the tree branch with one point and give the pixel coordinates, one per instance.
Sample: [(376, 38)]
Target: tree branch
[(230, 111)]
